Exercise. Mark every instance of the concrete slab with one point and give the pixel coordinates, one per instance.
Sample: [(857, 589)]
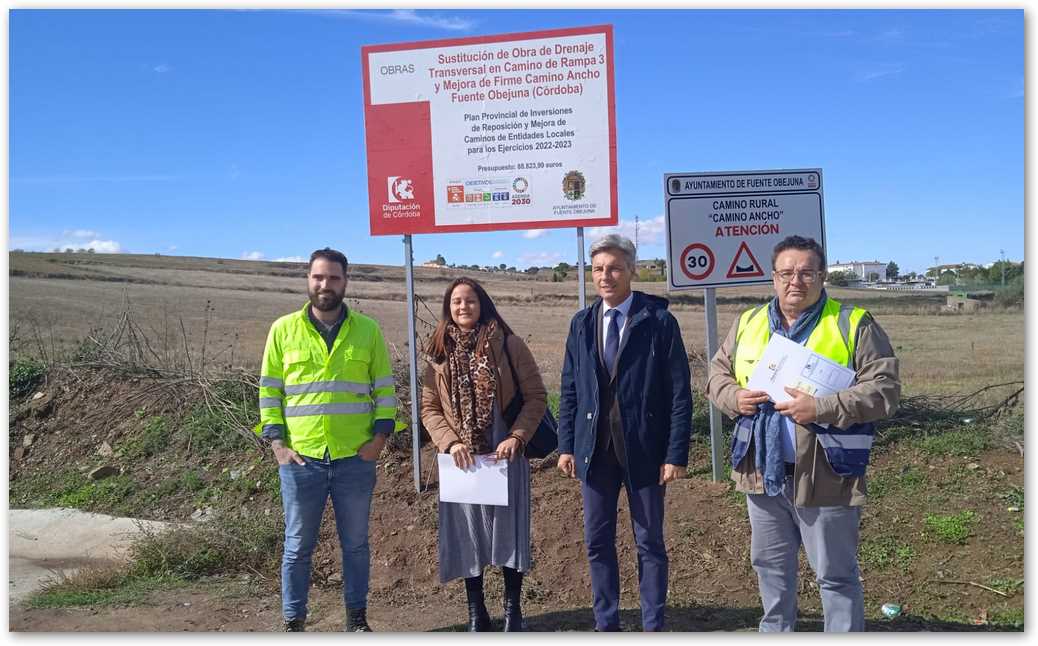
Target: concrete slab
[(46, 543)]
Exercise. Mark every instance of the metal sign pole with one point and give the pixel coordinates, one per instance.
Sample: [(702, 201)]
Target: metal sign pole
[(710, 306), (412, 352), (580, 266)]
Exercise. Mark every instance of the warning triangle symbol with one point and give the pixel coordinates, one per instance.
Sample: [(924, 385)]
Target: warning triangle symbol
[(744, 265)]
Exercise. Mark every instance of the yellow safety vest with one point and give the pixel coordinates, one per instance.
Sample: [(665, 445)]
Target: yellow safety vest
[(325, 400), (833, 337)]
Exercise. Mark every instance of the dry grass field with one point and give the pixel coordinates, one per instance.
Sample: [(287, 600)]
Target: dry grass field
[(56, 299)]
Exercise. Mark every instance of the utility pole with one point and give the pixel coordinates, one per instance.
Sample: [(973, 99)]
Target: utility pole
[(636, 232), (1002, 252)]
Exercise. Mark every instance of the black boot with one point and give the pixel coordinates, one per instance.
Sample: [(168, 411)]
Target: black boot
[(357, 620), (513, 593), (513, 612), (479, 618)]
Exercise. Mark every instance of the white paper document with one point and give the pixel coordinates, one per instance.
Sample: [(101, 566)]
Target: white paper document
[(785, 363), (486, 483)]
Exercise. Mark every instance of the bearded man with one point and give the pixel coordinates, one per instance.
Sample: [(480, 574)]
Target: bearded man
[(327, 404)]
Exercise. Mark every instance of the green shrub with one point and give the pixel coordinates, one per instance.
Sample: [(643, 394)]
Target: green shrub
[(905, 483), (107, 584), (223, 545), (1011, 617), (953, 528), (1006, 585), (968, 441), (25, 375), (103, 495), (882, 553), (153, 439)]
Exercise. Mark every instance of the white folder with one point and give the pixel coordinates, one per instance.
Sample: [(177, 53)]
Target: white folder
[(485, 483)]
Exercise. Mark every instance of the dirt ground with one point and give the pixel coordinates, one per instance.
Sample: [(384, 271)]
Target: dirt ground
[(712, 586)]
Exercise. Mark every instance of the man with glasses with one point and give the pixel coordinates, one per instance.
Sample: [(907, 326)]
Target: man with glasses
[(802, 462)]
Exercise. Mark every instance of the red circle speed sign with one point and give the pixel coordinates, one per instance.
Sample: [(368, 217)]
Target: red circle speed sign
[(697, 261)]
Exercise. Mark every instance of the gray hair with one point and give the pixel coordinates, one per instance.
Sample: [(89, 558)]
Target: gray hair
[(614, 242)]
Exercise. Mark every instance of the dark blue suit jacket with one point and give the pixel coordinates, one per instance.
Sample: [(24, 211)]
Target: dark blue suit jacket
[(653, 390)]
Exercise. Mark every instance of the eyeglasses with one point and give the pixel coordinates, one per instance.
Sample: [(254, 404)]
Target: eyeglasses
[(806, 277)]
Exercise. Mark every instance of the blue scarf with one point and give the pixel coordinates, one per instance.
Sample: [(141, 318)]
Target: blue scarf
[(767, 422)]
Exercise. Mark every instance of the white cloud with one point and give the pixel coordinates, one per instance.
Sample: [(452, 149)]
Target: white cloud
[(879, 71), (162, 68), (533, 234), (650, 231), (450, 23), (80, 233), (252, 255), (404, 16), (497, 254), (69, 239), (104, 246), (287, 258), (539, 258), (171, 247)]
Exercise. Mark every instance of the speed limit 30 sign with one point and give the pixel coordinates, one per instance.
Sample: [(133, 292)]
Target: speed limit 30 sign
[(697, 261)]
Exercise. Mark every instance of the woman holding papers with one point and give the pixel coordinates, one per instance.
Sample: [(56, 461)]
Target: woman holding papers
[(466, 389)]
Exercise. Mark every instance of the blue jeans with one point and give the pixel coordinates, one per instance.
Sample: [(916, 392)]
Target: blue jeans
[(304, 492)]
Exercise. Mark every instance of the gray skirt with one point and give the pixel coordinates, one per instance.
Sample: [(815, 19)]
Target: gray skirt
[(475, 536)]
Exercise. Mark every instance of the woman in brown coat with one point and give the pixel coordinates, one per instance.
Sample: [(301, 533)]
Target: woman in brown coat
[(466, 389)]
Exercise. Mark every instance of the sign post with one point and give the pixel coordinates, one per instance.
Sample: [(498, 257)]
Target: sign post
[(721, 228), (412, 355), (510, 131), (581, 297)]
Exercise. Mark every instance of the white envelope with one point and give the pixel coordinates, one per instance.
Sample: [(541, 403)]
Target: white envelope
[(486, 483)]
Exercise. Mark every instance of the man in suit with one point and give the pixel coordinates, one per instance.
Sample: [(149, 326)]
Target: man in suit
[(624, 420)]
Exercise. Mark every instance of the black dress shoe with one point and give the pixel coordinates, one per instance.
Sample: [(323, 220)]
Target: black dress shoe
[(479, 618)]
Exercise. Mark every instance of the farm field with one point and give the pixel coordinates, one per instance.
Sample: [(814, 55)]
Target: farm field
[(946, 490)]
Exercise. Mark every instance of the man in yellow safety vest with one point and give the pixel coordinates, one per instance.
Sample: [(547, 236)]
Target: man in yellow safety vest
[(802, 462), (327, 404)]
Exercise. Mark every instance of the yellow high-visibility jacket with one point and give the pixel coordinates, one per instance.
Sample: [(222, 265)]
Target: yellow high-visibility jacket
[(325, 401)]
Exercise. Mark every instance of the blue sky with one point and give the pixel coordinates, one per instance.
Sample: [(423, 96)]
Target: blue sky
[(241, 133)]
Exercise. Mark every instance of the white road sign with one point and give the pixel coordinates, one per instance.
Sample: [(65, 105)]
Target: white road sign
[(721, 227)]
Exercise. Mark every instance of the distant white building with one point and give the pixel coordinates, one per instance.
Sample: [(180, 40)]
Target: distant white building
[(861, 269)]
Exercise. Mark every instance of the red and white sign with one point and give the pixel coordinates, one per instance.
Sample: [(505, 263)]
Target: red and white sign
[(512, 131), (736, 218), (744, 264), (697, 261)]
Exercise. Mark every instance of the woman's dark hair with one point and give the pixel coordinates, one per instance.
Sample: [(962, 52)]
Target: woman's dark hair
[(440, 343)]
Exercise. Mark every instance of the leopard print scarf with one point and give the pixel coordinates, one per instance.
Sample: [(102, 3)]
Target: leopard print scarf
[(473, 385)]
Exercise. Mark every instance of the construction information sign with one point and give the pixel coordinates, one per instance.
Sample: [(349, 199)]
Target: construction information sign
[(513, 131), (721, 227)]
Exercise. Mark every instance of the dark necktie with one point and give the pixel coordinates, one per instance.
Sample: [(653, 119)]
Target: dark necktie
[(612, 343)]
